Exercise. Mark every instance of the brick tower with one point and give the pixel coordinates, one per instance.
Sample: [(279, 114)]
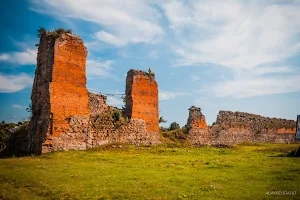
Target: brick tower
[(142, 98), (59, 88)]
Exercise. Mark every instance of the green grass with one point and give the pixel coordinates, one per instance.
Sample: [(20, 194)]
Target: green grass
[(157, 172)]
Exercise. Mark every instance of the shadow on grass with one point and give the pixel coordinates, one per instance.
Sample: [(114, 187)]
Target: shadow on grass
[(13, 154), (293, 153)]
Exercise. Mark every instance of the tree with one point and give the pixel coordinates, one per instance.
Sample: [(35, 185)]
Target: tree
[(174, 126), (162, 120)]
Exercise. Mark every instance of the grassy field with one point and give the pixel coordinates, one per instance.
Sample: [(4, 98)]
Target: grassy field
[(157, 172)]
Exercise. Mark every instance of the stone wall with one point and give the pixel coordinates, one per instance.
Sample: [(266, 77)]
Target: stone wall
[(256, 123), (238, 127), (142, 98), (101, 128), (97, 104)]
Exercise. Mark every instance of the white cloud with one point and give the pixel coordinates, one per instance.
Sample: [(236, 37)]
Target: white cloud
[(115, 101), (17, 106), (4, 57), (248, 38), (241, 35), (165, 95), (27, 57), (99, 68), (242, 88), (123, 22), (14, 83), (109, 38)]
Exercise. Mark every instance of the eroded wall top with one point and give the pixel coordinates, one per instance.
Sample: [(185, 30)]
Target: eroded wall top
[(255, 122), (196, 118)]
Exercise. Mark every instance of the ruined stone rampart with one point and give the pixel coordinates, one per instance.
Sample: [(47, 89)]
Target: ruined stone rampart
[(256, 123), (142, 98), (65, 116), (238, 127)]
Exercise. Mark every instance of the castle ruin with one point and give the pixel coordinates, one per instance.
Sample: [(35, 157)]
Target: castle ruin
[(66, 116)]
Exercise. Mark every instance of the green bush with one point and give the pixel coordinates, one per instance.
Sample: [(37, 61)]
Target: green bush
[(117, 115), (4, 132), (174, 126)]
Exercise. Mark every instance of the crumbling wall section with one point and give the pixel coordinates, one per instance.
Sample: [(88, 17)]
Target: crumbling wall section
[(105, 131), (101, 129), (255, 123), (142, 98), (196, 118), (238, 127), (199, 133), (97, 104)]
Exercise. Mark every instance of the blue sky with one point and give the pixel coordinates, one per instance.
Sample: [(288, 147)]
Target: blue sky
[(238, 55)]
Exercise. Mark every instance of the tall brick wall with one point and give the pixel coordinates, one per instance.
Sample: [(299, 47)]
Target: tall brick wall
[(68, 93), (142, 98), (59, 89)]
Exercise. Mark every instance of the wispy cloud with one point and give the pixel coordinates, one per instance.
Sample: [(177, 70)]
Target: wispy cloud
[(14, 83), (242, 88), (241, 35), (166, 95), (18, 106), (115, 101), (251, 39), (248, 38), (99, 68), (27, 57), (124, 22)]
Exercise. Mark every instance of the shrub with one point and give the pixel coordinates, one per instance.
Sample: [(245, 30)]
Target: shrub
[(116, 115), (55, 34), (174, 126)]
